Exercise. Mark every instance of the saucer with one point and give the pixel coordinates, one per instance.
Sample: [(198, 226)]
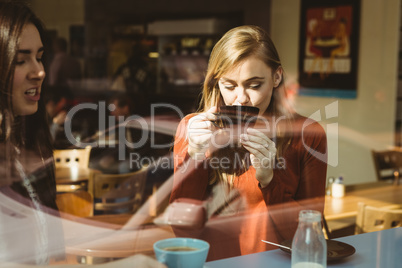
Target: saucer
[(335, 250)]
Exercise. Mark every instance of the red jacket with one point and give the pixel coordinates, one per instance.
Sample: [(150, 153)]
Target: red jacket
[(269, 213)]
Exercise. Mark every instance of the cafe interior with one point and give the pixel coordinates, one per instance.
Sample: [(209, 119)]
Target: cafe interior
[(114, 199)]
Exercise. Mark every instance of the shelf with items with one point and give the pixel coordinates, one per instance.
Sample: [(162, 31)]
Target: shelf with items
[(184, 47), (182, 62)]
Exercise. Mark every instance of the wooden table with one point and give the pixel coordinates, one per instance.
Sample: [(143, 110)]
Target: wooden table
[(117, 220), (114, 240), (377, 194), (102, 239), (374, 194)]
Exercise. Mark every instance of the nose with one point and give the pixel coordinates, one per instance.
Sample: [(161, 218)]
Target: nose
[(37, 72), (242, 96)]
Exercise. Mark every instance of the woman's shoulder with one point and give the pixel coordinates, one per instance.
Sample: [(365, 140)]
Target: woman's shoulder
[(182, 127), (307, 126), (186, 118), (190, 115)]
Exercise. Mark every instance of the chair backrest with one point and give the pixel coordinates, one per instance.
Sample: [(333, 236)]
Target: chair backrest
[(78, 203), (117, 193), (387, 163), (371, 219), (72, 157)]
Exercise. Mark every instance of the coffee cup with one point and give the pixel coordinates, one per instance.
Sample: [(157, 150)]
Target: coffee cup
[(238, 114), (233, 120), (181, 252)]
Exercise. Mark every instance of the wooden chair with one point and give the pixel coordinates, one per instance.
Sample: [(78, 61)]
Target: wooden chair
[(371, 219), (72, 157), (78, 203), (388, 164), (72, 162), (117, 193)]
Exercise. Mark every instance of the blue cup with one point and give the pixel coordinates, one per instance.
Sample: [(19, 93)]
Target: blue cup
[(181, 252)]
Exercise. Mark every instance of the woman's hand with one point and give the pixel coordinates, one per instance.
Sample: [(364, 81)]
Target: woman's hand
[(199, 133), (262, 154)]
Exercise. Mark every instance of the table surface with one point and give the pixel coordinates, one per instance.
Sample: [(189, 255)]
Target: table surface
[(101, 240), (120, 244), (373, 250), (377, 249), (377, 194)]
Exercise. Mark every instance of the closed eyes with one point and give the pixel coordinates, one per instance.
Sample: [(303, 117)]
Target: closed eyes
[(229, 87), (20, 62), (252, 83), (23, 58), (24, 55), (255, 85), (250, 86)]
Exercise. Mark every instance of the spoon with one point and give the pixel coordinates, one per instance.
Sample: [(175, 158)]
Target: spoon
[(281, 246)]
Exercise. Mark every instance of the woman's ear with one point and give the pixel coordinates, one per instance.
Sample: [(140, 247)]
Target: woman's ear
[(278, 76)]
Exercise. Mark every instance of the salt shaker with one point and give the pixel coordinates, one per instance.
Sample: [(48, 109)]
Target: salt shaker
[(338, 188), (309, 248), (329, 186)]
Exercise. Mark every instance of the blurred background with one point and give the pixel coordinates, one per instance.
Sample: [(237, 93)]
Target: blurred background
[(157, 51)]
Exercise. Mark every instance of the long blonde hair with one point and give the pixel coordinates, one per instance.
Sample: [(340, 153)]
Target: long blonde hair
[(235, 46)]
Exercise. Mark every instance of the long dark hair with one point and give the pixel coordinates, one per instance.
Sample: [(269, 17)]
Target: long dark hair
[(22, 133)]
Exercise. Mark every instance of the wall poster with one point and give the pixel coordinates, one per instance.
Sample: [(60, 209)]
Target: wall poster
[(328, 55)]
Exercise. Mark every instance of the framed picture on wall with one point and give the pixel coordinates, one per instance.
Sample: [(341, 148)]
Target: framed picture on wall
[(328, 43)]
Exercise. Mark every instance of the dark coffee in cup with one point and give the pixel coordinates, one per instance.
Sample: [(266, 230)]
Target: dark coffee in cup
[(184, 252)]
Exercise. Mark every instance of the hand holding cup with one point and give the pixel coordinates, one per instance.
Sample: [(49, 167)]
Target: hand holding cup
[(199, 131)]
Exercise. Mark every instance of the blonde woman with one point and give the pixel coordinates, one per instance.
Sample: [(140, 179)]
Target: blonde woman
[(286, 171)]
